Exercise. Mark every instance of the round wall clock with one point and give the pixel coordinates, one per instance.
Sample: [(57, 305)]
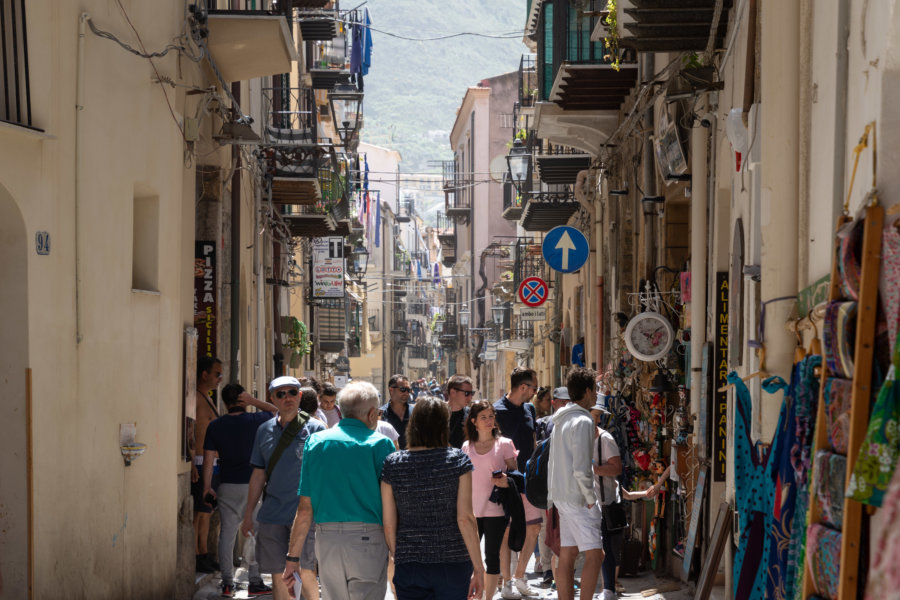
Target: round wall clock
[(649, 336)]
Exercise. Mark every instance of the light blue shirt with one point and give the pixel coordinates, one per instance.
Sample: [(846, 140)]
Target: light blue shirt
[(341, 472), (280, 502)]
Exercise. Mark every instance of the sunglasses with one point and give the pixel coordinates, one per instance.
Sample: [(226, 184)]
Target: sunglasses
[(282, 394), (405, 390), (467, 393)]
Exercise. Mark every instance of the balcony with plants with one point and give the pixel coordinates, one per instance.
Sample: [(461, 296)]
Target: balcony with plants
[(458, 191)]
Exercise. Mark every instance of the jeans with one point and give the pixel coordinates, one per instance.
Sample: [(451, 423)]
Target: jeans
[(232, 503), (612, 548), (422, 581)]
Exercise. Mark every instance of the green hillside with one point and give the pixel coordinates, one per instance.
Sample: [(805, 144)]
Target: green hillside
[(414, 87)]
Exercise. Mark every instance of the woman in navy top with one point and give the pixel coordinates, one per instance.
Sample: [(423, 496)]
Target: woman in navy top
[(429, 526)]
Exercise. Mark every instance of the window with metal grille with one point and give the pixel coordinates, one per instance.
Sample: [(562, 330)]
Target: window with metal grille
[(331, 318), (16, 106)]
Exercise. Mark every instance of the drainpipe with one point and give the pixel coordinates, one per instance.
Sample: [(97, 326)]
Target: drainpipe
[(259, 265), (648, 163), (234, 376), (779, 134), (699, 253), (79, 106)]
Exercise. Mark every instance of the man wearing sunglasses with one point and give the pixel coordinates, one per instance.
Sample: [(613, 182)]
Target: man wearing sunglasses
[(398, 409), (276, 515), (460, 394)]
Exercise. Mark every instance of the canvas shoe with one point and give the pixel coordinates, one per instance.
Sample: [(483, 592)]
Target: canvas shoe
[(526, 590), (548, 579), (227, 590), (509, 591)]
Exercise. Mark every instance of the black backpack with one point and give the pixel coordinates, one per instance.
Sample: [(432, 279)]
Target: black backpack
[(536, 472)]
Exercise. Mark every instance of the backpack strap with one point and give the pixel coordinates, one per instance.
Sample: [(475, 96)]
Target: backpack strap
[(600, 464), (287, 436)]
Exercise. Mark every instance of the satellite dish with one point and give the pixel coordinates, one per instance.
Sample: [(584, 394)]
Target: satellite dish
[(499, 168)]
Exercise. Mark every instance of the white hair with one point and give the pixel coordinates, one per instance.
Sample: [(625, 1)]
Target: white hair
[(357, 399)]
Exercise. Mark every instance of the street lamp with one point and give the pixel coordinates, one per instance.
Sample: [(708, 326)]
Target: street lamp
[(519, 162), (360, 259), (498, 312), (346, 104)]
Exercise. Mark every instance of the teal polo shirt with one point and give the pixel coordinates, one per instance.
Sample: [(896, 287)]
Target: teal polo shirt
[(341, 473)]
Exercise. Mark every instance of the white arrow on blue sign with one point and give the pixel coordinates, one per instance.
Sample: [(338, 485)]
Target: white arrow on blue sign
[(565, 249)]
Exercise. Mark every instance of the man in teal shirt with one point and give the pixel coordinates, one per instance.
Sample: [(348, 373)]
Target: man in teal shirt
[(340, 490)]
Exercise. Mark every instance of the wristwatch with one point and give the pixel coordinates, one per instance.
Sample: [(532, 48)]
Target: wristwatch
[(292, 558)]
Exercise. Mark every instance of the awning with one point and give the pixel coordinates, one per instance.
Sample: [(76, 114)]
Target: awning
[(250, 44)]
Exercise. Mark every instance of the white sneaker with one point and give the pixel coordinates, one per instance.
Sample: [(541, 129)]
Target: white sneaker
[(509, 592), (608, 595), (525, 589)]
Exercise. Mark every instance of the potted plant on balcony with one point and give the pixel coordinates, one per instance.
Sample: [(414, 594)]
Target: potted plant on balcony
[(298, 341), (611, 40)]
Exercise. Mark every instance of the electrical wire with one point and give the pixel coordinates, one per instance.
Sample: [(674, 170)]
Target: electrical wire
[(501, 36)]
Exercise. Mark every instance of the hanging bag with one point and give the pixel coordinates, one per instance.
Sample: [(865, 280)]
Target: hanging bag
[(615, 518)]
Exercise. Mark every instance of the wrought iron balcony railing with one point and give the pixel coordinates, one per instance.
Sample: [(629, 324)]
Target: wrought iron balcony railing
[(528, 81), (290, 115)]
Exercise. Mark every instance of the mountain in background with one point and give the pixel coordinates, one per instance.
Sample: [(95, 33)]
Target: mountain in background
[(414, 87)]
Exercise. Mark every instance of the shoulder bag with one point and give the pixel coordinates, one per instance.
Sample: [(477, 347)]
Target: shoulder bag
[(615, 518)]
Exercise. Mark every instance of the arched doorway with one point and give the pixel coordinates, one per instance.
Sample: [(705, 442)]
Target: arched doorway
[(13, 365)]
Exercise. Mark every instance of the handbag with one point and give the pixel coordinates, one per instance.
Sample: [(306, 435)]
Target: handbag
[(615, 518)]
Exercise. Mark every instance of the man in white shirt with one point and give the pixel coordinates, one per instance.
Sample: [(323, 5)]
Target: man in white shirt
[(570, 482)]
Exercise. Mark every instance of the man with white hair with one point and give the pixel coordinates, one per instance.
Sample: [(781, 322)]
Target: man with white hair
[(340, 492)]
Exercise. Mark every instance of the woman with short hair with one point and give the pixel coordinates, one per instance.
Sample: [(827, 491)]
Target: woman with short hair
[(429, 526)]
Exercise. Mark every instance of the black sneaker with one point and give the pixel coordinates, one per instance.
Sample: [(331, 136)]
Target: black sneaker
[(547, 581), (258, 588), (227, 590), (204, 564)]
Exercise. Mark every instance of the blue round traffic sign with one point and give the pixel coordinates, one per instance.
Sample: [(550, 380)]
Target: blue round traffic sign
[(565, 249)]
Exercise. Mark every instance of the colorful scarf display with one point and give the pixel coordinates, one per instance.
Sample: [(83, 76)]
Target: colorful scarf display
[(884, 576), (823, 549), (838, 397), (829, 474), (840, 337), (878, 454)]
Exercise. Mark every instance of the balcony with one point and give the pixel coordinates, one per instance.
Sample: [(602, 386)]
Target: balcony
[(512, 200), (248, 44), (517, 338), (548, 209), (320, 25), (528, 261), (528, 82), (328, 62), (560, 165), (405, 210), (446, 231), (457, 191), (417, 308), (669, 25), (16, 104), (309, 4)]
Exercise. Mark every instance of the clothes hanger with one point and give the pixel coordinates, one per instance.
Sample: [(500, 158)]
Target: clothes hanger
[(762, 373)]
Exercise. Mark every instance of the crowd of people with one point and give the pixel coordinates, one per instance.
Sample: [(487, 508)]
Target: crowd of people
[(331, 488)]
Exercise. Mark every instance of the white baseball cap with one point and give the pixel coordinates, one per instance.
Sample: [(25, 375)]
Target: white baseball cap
[(283, 381)]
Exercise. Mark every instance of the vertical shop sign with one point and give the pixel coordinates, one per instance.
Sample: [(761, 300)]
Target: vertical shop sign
[(720, 400), (328, 267), (205, 309)]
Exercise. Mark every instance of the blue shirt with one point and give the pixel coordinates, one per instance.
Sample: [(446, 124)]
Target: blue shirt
[(387, 414), (280, 503), (341, 472), (517, 424), (232, 436)]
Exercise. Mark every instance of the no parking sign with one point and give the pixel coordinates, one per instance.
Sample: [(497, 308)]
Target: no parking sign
[(533, 291)]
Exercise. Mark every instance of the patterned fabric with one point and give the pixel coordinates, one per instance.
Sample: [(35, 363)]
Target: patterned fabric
[(829, 474), (806, 401), (877, 458), (840, 337), (888, 290), (849, 240), (884, 576), (425, 485), (824, 555), (754, 498), (838, 397)]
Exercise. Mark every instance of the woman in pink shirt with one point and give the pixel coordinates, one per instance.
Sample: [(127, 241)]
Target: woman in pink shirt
[(491, 455)]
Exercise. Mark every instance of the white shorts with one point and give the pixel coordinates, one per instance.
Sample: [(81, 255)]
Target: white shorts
[(579, 526)]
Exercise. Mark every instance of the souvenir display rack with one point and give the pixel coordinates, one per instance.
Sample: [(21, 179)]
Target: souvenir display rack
[(851, 526)]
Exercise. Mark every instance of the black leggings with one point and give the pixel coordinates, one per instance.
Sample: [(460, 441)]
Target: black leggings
[(492, 530), (612, 548)]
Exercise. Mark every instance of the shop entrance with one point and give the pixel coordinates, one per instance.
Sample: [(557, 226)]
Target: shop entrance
[(13, 364)]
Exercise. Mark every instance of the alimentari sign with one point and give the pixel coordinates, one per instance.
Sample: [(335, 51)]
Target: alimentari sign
[(328, 267)]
